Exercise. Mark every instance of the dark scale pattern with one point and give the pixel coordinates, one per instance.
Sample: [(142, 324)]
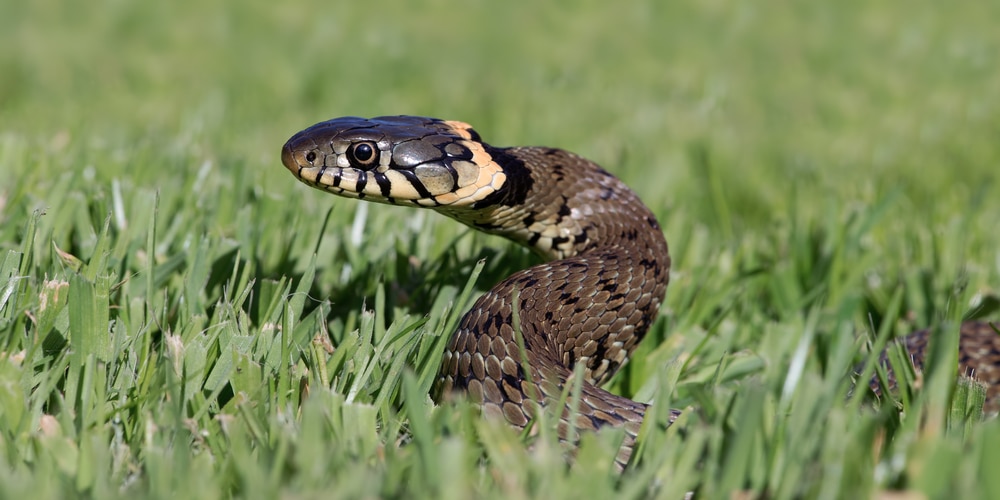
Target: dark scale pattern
[(978, 358), (591, 303)]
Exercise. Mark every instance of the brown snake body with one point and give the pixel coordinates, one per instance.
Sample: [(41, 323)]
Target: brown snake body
[(590, 304)]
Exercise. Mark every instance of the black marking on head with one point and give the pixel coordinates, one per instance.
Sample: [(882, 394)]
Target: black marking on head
[(362, 182), (652, 223), (473, 135), (519, 180), (383, 183), (534, 239), (454, 175), (415, 182), (456, 151), (336, 179)]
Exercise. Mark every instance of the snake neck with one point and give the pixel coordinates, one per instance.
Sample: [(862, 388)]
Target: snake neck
[(590, 305), (560, 205)]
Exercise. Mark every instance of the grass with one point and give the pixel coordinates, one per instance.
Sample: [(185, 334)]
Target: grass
[(180, 318)]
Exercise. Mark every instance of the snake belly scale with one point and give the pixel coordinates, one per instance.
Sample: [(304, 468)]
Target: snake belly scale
[(605, 275)]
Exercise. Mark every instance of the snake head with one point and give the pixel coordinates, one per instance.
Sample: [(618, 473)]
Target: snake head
[(395, 159)]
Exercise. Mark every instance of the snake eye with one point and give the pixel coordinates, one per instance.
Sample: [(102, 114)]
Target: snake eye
[(363, 154)]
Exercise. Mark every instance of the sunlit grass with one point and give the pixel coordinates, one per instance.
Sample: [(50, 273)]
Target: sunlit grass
[(179, 317)]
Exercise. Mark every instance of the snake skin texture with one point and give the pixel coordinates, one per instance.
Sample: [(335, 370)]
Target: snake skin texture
[(978, 358), (592, 301)]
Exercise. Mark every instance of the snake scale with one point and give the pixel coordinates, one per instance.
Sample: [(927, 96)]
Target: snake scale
[(605, 275)]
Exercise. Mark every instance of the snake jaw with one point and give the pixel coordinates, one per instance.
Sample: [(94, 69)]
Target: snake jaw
[(423, 162)]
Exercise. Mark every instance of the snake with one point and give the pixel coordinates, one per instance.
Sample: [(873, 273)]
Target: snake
[(569, 322)]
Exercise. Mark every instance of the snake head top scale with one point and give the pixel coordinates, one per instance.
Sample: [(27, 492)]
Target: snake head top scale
[(590, 304)]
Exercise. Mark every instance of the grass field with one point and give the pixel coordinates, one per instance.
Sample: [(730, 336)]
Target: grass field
[(180, 318)]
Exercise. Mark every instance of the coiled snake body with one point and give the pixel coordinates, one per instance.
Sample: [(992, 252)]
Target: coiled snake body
[(590, 304)]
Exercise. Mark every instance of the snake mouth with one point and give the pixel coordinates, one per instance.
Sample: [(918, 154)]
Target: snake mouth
[(300, 161)]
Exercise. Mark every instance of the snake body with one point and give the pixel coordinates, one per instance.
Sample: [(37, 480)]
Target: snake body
[(592, 301)]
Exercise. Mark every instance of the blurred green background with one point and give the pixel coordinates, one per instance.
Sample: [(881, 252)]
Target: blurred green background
[(852, 98), (803, 157)]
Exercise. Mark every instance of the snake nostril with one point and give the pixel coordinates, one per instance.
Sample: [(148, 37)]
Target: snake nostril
[(311, 156)]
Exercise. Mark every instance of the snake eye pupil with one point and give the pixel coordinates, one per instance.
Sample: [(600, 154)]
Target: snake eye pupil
[(311, 156), (363, 154)]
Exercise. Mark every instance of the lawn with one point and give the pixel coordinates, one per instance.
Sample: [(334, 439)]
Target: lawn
[(179, 317)]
